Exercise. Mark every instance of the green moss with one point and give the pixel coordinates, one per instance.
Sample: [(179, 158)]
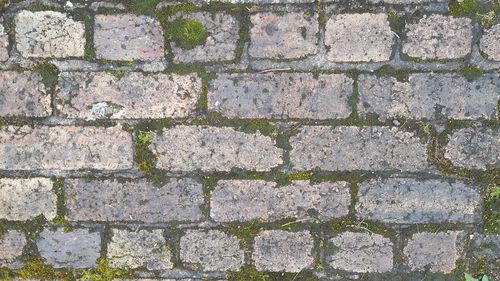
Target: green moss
[(103, 272), (400, 74), (37, 6), (245, 231), (142, 7), (49, 73), (396, 23), (37, 269), (3, 4), (491, 215), (144, 157), (300, 176), (5, 273), (60, 218), (467, 8), (250, 273), (471, 72), (187, 33)]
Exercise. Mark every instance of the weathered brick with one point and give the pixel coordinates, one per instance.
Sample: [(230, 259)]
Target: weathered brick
[(211, 250), (141, 248), (436, 252), (23, 94), (133, 200), (358, 37), (429, 96), (489, 43), (438, 37), (404, 2), (357, 148), (406, 200), (474, 148), (133, 96), (221, 42), (189, 148), (128, 37), (270, 1), (65, 148), (278, 250), (24, 199), (47, 34), (288, 36), (4, 43), (246, 200), (12, 243), (78, 248), (360, 252), (486, 246), (281, 95)]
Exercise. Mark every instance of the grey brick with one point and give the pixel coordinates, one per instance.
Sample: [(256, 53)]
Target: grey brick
[(48, 34), (133, 200), (138, 249), (436, 252), (406, 200), (358, 37), (24, 199), (489, 43), (65, 148), (246, 200), (405, 2), (79, 248), (12, 243), (360, 252), (429, 96), (288, 36), (189, 148), (281, 95), (270, 1), (128, 37), (438, 37), (4, 43), (212, 250), (23, 94), (357, 148), (278, 250), (135, 95), (487, 246), (474, 148)]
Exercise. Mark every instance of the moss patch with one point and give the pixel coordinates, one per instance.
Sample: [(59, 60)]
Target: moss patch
[(103, 272), (471, 72), (250, 273), (49, 73), (187, 33), (37, 269)]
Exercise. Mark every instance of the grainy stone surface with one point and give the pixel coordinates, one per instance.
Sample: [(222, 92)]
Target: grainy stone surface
[(133, 200), (12, 243), (65, 148), (287, 36), (135, 95), (26, 198), (23, 94), (4, 43), (438, 37), (436, 251), (79, 248), (358, 37), (489, 43), (406, 200), (474, 148), (191, 148), (212, 250), (430, 96), (246, 200), (278, 250), (360, 252), (48, 34), (221, 43), (281, 95), (404, 1), (128, 37), (357, 148), (487, 246), (136, 249)]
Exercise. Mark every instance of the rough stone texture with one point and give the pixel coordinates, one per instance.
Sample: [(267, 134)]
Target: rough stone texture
[(133, 200), (288, 36), (128, 37), (429, 96), (489, 43), (48, 34), (221, 42), (358, 37), (212, 250), (278, 250), (438, 37), (138, 249), (65, 148), (474, 148), (357, 148), (246, 200), (4, 43), (23, 94), (436, 251), (78, 248), (487, 246), (12, 243), (135, 95), (406, 200), (360, 252), (24, 199), (281, 95), (190, 148), (404, 2)]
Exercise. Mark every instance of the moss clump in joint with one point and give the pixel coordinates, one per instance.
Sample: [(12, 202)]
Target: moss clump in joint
[(187, 33)]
